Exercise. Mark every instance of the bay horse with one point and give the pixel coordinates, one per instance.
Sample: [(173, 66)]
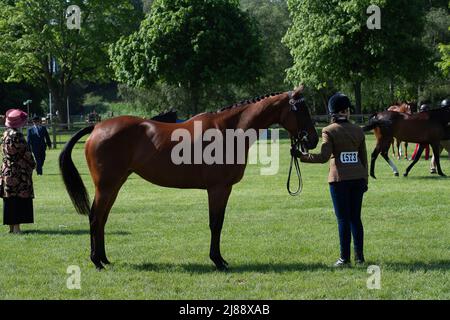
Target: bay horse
[(404, 108), (430, 127), (121, 146)]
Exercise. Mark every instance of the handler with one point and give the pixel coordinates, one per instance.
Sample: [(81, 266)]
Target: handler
[(345, 144)]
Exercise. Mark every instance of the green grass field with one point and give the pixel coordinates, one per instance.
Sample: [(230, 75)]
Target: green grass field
[(278, 247)]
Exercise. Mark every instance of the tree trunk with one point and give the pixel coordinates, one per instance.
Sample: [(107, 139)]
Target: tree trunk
[(59, 105), (391, 90), (358, 99)]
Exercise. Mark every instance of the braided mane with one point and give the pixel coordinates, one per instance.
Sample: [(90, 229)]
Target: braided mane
[(247, 102)]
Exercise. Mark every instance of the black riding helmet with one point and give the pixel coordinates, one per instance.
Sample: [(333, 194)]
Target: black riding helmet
[(339, 102), (424, 107), (445, 103)]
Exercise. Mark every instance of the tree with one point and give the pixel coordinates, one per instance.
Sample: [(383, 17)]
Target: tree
[(330, 40), (37, 45), (273, 21), (192, 44), (444, 49), (445, 63)]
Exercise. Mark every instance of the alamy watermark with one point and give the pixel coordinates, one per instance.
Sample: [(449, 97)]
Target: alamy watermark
[(227, 147), (73, 16), (374, 281), (74, 280), (374, 21)]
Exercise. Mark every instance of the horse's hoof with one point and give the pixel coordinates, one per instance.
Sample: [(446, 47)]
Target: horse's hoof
[(105, 261), (220, 266), (396, 174), (224, 262), (373, 176), (405, 174), (98, 264), (220, 263), (99, 267)]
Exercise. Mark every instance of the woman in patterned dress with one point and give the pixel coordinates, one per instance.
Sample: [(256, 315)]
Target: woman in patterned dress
[(16, 185)]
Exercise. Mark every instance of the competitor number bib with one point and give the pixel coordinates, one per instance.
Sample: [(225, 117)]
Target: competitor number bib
[(349, 157)]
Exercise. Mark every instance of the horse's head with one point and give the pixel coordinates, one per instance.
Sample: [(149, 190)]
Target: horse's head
[(296, 119), (170, 116)]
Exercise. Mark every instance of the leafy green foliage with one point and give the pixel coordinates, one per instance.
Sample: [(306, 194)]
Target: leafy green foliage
[(273, 21), (330, 40), (195, 44), (32, 31), (444, 46)]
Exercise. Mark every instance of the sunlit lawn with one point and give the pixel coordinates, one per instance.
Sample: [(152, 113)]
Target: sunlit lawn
[(278, 247)]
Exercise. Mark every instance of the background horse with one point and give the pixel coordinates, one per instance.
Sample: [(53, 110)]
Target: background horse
[(445, 145), (170, 116), (404, 108), (428, 127), (125, 145)]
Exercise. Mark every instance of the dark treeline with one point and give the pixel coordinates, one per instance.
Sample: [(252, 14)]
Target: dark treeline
[(210, 58)]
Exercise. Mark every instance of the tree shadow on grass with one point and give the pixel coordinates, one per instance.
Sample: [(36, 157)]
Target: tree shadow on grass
[(63, 232), (196, 268), (209, 268), (430, 177), (439, 265)]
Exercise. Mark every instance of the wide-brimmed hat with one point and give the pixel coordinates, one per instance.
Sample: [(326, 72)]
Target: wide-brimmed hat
[(16, 118)]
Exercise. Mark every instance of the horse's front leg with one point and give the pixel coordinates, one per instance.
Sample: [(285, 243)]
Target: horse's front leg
[(436, 152), (218, 199)]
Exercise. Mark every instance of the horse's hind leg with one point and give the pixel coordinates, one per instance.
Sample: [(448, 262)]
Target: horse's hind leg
[(103, 202), (391, 164), (393, 148), (218, 199), (416, 159), (436, 153), (399, 149), (406, 150), (375, 154)]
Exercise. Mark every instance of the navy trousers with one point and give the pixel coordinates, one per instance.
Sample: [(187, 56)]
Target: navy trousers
[(347, 199), (39, 156)]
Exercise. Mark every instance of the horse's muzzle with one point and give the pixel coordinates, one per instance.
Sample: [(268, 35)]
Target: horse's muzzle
[(307, 142)]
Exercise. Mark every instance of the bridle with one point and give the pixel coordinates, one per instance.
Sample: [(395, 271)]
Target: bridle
[(297, 143)]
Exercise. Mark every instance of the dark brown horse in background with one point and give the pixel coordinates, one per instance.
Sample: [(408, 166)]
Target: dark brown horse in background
[(125, 145), (403, 108), (430, 127)]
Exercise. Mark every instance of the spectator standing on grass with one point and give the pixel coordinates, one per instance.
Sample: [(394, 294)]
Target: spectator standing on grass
[(38, 140), (16, 184), (344, 143)]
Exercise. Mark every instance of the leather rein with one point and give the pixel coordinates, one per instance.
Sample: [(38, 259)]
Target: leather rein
[(296, 144)]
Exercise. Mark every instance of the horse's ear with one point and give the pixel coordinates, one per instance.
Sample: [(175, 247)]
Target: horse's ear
[(298, 92)]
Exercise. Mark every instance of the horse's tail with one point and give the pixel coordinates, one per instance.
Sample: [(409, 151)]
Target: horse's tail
[(372, 124), (71, 177)]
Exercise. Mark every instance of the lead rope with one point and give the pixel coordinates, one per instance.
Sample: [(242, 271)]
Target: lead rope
[(295, 143)]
